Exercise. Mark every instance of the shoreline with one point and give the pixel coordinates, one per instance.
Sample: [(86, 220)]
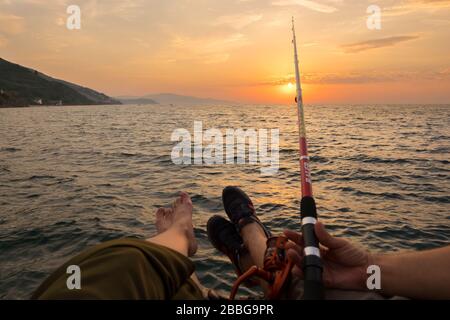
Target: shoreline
[(66, 105)]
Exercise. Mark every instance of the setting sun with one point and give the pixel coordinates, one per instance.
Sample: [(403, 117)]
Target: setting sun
[(287, 88)]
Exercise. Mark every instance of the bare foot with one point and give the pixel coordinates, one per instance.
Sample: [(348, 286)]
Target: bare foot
[(164, 219), (180, 218)]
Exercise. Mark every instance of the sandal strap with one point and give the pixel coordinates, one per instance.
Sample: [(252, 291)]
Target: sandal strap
[(241, 210), (252, 219)]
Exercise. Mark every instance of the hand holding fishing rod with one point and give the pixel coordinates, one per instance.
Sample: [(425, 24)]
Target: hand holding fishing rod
[(312, 265)]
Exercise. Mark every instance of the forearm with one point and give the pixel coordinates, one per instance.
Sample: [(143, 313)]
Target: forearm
[(417, 275)]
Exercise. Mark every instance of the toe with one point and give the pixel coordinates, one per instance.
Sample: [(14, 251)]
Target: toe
[(168, 212), (185, 198), (177, 202), (160, 213)]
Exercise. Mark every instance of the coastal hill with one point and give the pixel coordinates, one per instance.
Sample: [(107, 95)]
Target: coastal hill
[(136, 100), (21, 87), (170, 98)]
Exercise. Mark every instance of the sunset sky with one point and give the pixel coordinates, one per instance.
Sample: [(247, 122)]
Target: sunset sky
[(238, 50)]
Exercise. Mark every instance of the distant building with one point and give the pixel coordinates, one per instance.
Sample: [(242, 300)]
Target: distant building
[(54, 102)]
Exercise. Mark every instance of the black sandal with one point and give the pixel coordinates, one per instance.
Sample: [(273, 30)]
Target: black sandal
[(240, 209), (224, 237)]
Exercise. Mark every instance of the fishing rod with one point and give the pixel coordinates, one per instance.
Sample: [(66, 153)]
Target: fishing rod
[(277, 264), (312, 263)]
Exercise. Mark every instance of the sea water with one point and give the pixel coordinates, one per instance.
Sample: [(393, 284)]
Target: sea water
[(71, 177)]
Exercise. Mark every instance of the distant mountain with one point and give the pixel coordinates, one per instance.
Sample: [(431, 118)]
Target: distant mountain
[(135, 100), (21, 86), (170, 98)]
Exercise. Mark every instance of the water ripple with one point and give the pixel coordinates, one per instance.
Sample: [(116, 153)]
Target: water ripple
[(72, 177)]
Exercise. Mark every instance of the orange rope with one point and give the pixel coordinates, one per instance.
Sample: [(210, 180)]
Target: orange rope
[(276, 271)]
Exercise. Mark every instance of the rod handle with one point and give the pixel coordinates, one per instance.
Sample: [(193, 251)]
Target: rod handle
[(313, 290), (312, 263)]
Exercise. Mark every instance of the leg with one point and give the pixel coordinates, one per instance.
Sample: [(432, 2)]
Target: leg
[(241, 212), (255, 242), (175, 229), (147, 271)]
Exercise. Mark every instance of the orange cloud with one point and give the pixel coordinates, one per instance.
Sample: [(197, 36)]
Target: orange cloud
[(415, 6), (11, 24), (377, 43), (361, 77)]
